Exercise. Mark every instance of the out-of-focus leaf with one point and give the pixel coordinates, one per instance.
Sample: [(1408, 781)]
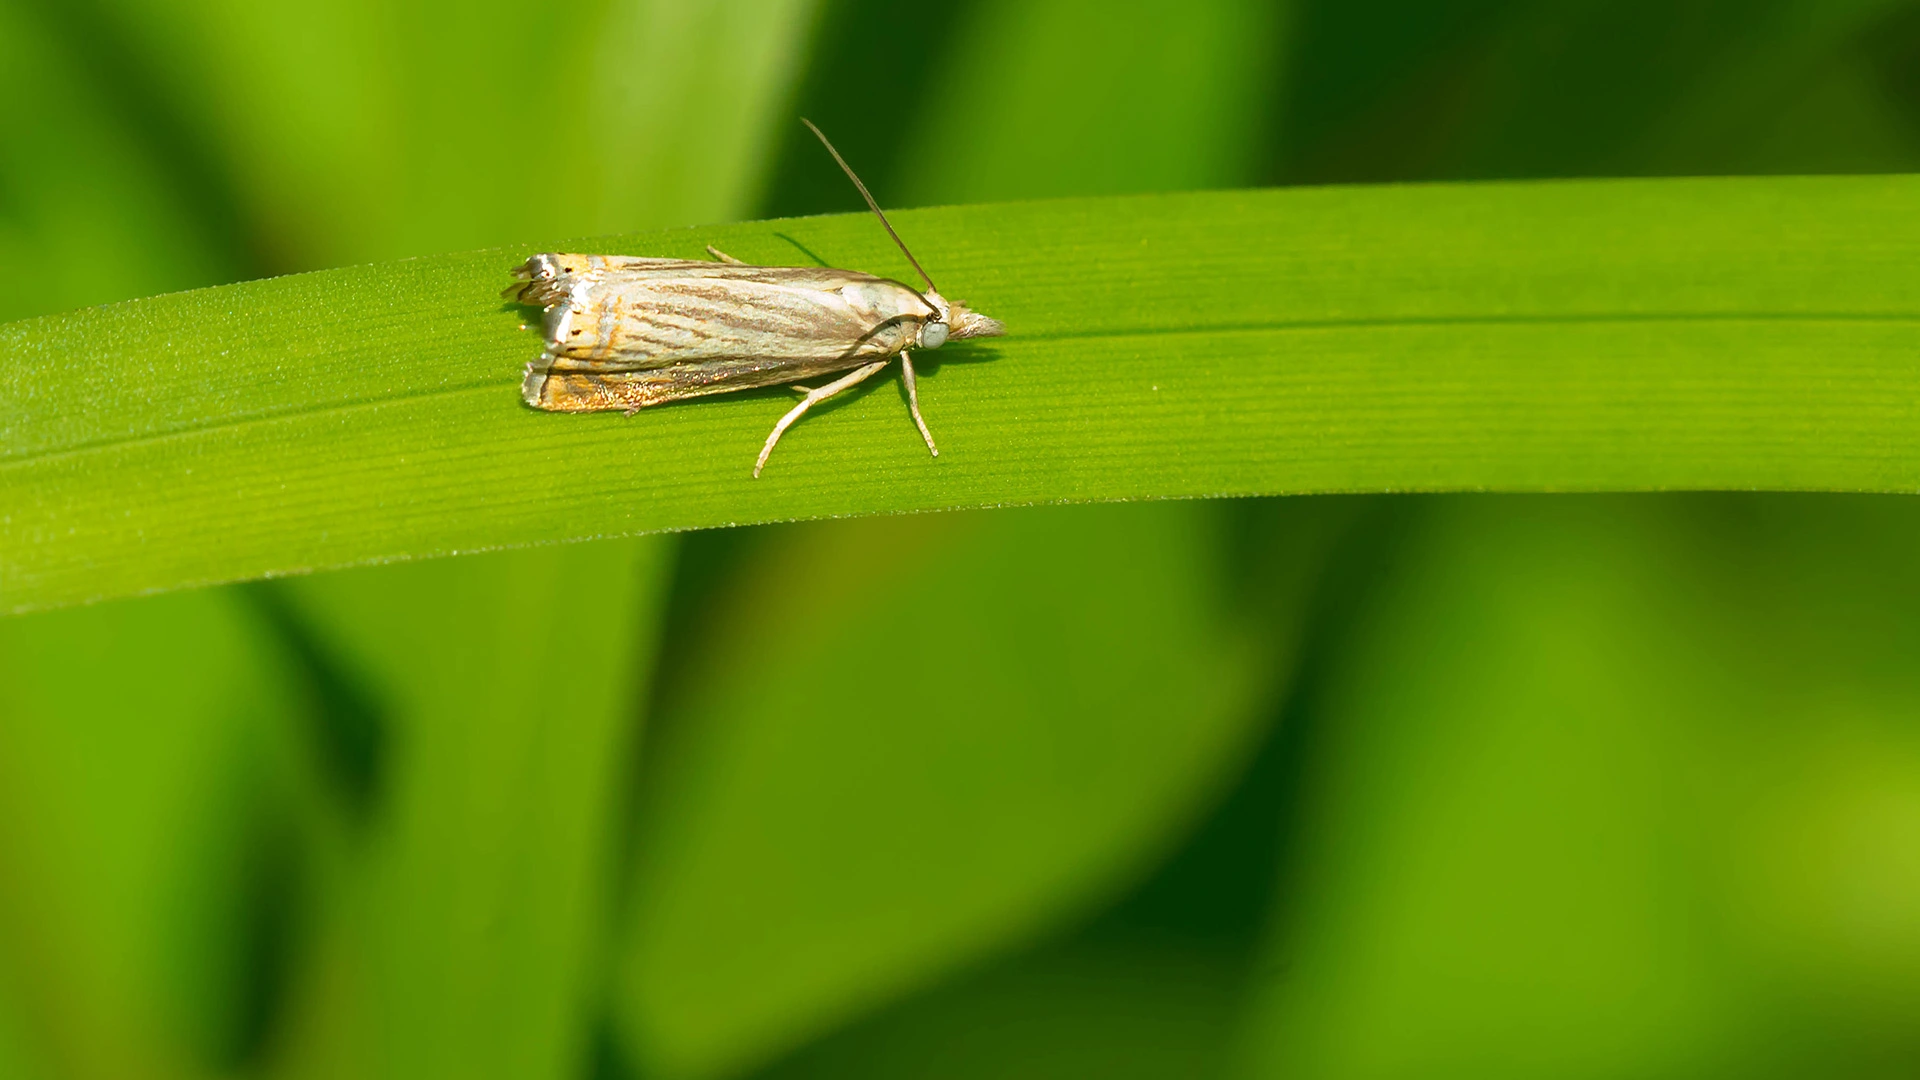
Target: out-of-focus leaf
[(1794, 90), (1151, 985), (19, 1054), (1121, 1010), (1558, 336), (469, 900), (1638, 798), (1398, 90), (1719, 86), (139, 820), (363, 130), (887, 760), (864, 98), (1158, 95), (88, 209)]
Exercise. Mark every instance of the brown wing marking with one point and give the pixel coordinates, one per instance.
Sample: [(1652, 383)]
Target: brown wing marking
[(603, 390)]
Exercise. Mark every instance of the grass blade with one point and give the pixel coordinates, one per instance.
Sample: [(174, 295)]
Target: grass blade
[(1528, 337)]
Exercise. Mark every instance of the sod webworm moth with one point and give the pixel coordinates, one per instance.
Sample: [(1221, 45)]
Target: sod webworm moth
[(626, 333)]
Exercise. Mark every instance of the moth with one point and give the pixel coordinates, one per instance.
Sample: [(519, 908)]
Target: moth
[(626, 333)]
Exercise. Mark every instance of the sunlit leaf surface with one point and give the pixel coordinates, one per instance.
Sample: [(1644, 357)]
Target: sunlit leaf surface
[(1625, 335)]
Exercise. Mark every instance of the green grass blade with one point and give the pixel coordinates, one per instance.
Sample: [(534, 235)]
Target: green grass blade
[(1526, 337)]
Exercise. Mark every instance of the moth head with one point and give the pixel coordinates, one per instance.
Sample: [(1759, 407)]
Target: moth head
[(963, 322), (953, 321)]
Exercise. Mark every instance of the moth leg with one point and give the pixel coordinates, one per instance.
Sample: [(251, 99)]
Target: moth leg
[(813, 397), (913, 401), (797, 388), (723, 256)]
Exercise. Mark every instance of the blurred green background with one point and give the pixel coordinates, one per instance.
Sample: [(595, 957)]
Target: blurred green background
[(1328, 787)]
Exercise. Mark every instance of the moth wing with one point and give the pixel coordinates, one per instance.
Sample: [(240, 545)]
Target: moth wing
[(556, 389), (655, 313)]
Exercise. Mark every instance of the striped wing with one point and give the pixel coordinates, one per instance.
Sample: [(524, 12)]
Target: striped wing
[(625, 333)]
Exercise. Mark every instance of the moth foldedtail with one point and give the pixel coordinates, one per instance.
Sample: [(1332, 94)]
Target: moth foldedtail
[(626, 333)]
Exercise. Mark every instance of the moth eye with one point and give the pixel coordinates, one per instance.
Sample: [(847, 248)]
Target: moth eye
[(933, 335)]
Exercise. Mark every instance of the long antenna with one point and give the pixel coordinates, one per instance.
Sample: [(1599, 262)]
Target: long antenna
[(875, 207)]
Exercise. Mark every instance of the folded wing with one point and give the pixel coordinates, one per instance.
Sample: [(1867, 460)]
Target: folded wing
[(625, 333), (634, 313)]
